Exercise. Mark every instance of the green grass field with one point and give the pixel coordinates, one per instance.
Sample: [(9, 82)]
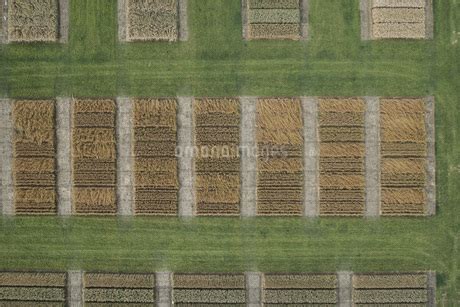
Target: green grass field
[(217, 62)]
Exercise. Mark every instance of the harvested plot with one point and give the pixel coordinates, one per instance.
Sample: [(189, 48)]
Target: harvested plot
[(155, 163), (300, 289), (32, 289), (392, 289), (209, 289), (342, 156), (403, 156), (272, 19), (401, 19), (94, 156), (34, 177), (106, 289), (280, 145), (217, 165)]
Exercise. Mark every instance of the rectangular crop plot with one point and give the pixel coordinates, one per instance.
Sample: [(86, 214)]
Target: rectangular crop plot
[(400, 19), (403, 156), (300, 289), (279, 138), (107, 289), (217, 163), (274, 19), (34, 177), (94, 156), (398, 289), (32, 289), (209, 289), (342, 156), (155, 163)]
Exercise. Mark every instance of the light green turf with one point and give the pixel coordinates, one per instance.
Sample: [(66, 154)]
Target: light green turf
[(217, 62)]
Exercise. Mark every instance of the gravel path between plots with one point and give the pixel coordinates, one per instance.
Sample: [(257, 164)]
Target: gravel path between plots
[(63, 21), (4, 16), (429, 21), (6, 135), (430, 188), (185, 144), (304, 10), (75, 288), (254, 289), (183, 20), (345, 289), (372, 128), (63, 156), (248, 157), (122, 16), (431, 288), (163, 286), (244, 18), (311, 154), (366, 22)]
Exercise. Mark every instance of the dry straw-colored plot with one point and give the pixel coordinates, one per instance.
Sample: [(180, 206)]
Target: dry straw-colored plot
[(203, 289), (342, 156), (109, 289), (155, 163), (280, 145), (403, 156), (94, 156), (400, 289), (34, 176), (300, 289), (217, 163), (32, 289)]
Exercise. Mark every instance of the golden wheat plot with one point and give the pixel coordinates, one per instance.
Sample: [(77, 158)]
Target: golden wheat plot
[(94, 156), (155, 139), (300, 289), (280, 157), (209, 289), (113, 289), (403, 156), (32, 289), (217, 163), (398, 289), (34, 176), (342, 156)]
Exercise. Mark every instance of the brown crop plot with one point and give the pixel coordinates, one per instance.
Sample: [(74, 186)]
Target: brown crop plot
[(32, 289), (34, 175), (300, 289), (280, 145), (155, 163), (203, 289), (342, 156), (274, 19), (94, 156), (403, 156), (392, 289), (217, 165), (113, 289)]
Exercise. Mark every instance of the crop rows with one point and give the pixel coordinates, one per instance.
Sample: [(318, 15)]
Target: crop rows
[(199, 289), (398, 19), (155, 164), (394, 289), (127, 289), (217, 164), (34, 175), (32, 289), (342, 155), (282, 289), (33, 20), (94, 157), (403, 152), (279, 140), (273, 19), (152, 20)]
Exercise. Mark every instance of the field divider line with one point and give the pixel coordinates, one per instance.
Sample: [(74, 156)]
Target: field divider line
[(366, 19), (248, 157), (63, 156), (311, 154), (122, 17), (75, 288), (430, 187), (431, 283), (185, 143), (372, 139), (6, 139), (429, 19), (254, 281), (304, 11), (183, 20), (125, 180), (244, 19), (63, 21), (163, 289), (345, 289)]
